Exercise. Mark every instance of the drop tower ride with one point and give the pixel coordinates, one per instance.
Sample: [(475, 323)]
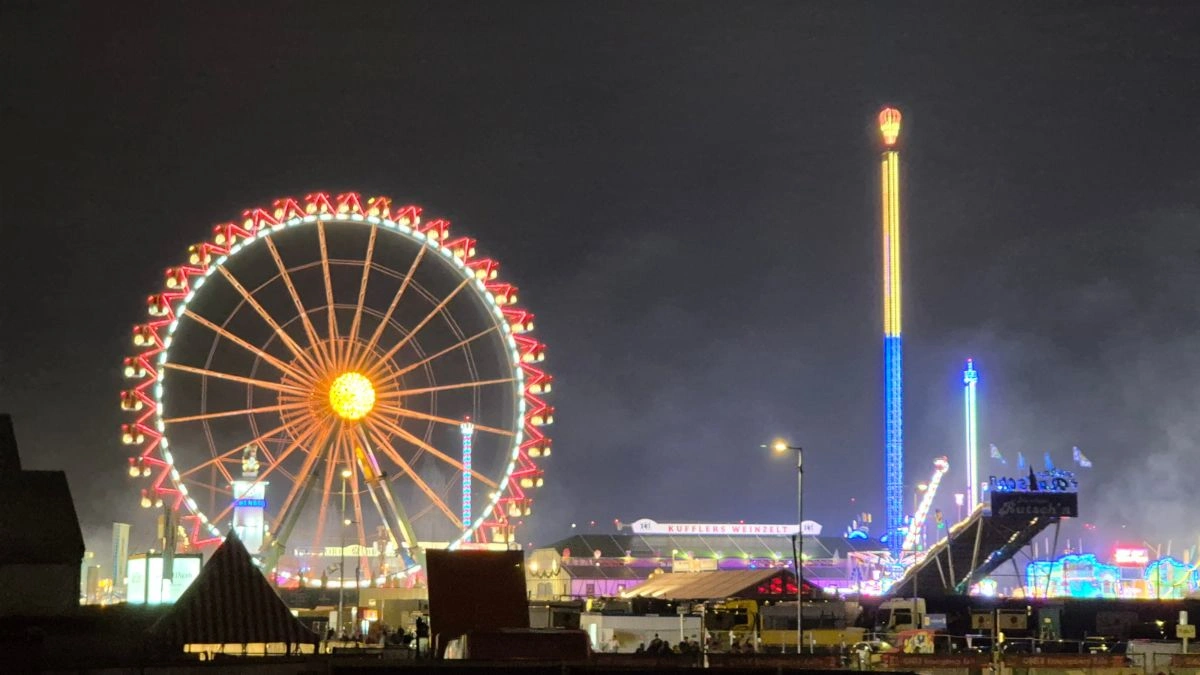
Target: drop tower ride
[(893, 377)]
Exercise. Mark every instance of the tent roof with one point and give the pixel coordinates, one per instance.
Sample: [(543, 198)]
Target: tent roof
[(707, 585), (620, 572), (706, 546), (230, 603)]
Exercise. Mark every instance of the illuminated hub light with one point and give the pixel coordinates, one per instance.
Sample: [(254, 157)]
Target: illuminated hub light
[(970, 379), (351, 396), (468, 433), (889, 126)]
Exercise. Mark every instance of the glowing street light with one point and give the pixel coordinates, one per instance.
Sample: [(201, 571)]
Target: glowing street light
[(780, 446)]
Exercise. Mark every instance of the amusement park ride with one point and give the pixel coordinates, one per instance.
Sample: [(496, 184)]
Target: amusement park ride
[(338, 337)]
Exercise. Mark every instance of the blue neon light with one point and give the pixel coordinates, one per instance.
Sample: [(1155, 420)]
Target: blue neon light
[(893, 440), (467, 431), (260, 503)]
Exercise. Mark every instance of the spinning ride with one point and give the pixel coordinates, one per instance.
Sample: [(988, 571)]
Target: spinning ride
[(325, 349)]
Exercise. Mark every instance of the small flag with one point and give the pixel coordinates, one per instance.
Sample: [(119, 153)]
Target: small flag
[(1081, 459), (995, 452), (1049, 462), (1020, 461)]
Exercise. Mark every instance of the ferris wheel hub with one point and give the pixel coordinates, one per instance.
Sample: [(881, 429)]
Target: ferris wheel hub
[(352, 396)]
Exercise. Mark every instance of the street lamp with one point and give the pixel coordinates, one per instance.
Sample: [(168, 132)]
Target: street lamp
[(342, 551), (780, 447)]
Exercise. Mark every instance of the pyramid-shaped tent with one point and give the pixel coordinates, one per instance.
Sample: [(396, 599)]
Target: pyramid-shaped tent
[(230, 602)]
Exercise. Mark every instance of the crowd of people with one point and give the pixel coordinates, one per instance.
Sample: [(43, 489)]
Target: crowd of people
[(661, 647)]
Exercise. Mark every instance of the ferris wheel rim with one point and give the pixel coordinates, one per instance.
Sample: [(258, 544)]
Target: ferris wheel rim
[(512, 354)]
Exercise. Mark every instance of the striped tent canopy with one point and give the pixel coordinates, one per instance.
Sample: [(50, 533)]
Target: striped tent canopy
[(230, 602)]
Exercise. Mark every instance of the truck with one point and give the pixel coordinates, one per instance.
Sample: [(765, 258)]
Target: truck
[(896, 615), (827, 624)]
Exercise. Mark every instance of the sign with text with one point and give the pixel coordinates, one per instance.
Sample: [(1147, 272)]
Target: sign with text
[(1051, 480), (935, 660), (1064, 661), (1131, 556), (647, 526), (1031, 504)]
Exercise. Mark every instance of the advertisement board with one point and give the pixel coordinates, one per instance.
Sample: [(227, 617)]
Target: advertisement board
[(647, 526), (1031, 504), (145, 573)]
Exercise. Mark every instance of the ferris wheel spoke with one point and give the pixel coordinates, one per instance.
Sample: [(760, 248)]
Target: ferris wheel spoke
[(213, 488), (313, 341), (374, 371), (304, 435), (232, 413), (414, 440), (434, 499), (322, 510), (405, 412), (274, 386), (446, 387), (462, 343), (303, 359), (387, 316), (261, 440), (319, 448), (362, 295), (358, 511), (333, 331), (283, 367)]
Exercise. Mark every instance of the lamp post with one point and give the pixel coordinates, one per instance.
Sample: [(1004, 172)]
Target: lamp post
[(780, 447), (342, 564)]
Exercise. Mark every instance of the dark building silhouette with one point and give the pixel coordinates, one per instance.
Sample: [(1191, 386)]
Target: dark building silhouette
[(41, 545)]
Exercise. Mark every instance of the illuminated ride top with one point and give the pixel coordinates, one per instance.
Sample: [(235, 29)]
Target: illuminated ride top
[(326, 349), (911, 540)]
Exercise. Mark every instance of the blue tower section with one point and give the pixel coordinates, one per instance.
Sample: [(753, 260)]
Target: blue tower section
[(894, 439), (893, 367)]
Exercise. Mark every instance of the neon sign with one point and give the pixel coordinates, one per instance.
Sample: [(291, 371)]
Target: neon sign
[(1053, 480), (1131, 556), (647, 526)]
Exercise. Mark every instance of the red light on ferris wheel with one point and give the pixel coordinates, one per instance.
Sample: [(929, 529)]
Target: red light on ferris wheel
[(889, 125)]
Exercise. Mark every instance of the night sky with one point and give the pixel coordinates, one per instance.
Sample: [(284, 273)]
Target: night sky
[(686, 194)]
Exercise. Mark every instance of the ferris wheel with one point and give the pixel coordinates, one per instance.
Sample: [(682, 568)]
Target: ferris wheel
[(338, 372)]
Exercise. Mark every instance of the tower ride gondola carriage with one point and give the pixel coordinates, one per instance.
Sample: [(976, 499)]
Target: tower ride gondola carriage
[(338, 372)]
